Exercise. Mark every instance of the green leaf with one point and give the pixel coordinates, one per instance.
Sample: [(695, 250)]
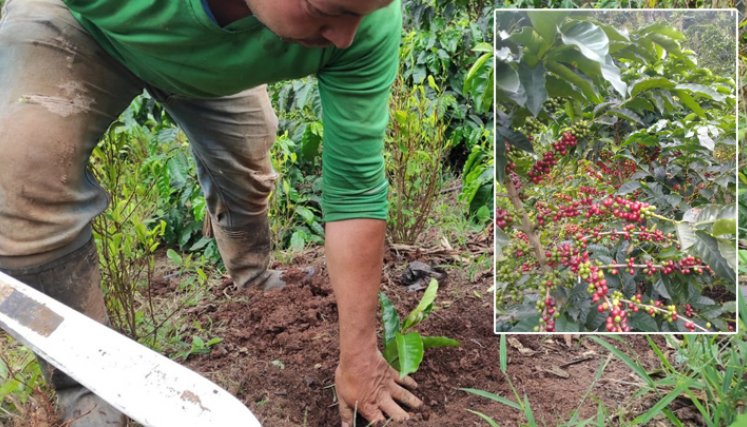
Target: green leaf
[(582, 83), (494, 397), (628, 187), (690, 102), (418, 313), (533, 80), (611, 73), (643, 322), (311, 141), (728, 251), (546, 23), (686, 235), (741, 420), (706, 248), (503, 354), (298, 240), (409, 352), (638, 369), (661, 404), (437, 342), (174, 257), (701, 90), (705, 139), (650, 83), (528, 412), (667, 43), (664, 29), (491, 422), (389, 318), (534, 45), (507, 82), (626, 115), (478, 82), (724, 226), (613, 34), (588, 38), (390, 354)]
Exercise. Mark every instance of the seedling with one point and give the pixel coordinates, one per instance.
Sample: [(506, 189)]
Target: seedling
[(403, 346)]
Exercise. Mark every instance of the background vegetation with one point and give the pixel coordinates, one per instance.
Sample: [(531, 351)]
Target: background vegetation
[(157, 209), (439, 164)]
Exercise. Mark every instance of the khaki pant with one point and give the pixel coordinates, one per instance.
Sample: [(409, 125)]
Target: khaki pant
[(59, 92)]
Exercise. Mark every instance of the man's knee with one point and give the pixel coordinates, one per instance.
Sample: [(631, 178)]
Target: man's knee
[(47, 197)]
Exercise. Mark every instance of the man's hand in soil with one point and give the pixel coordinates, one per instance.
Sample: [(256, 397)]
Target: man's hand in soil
[(365, 383), (373, 389)]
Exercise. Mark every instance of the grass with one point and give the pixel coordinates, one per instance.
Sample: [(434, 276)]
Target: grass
[(707, 373), (20, 378)]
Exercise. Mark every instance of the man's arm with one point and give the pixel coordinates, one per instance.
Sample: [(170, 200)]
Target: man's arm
[(365, 383)]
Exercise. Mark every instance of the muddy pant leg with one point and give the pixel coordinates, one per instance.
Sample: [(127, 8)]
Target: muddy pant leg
[(231, 138), (59, 93)]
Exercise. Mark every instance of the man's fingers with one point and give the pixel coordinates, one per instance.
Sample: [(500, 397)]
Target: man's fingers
[(372, 414), (405, 381), (403, 395), (392, 409), (346, 413)]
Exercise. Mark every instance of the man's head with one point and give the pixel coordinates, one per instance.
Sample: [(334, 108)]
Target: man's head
[(315, 23)]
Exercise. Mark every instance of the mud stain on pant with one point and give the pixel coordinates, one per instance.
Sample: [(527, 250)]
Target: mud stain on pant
[(74, 102), (63, 107)]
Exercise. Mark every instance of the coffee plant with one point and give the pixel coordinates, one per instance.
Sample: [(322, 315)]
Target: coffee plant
[(616, 160)]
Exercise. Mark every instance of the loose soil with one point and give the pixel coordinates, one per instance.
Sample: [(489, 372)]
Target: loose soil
[(279, 353), (279, 350)]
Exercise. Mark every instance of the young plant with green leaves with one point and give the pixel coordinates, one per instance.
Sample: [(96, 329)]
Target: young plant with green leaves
[(404, 347)]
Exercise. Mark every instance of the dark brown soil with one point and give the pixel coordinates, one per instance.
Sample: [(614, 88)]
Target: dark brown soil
[(279, 353)]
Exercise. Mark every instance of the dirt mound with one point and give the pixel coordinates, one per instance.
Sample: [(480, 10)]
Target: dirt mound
[(279, 353)]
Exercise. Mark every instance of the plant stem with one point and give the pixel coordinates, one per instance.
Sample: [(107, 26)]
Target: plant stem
[(526, 226)]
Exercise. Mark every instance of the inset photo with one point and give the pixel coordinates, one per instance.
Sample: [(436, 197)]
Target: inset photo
[(616, 154)]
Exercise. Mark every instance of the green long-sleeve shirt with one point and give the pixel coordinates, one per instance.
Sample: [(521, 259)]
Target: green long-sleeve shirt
[(176, 47)]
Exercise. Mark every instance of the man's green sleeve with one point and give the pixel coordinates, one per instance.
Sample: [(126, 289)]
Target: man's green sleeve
[(355, 95)]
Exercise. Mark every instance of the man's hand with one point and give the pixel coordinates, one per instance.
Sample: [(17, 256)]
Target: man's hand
[(373, 389), (365, 383)]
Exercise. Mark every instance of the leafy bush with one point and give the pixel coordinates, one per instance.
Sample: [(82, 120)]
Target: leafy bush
[(416, 148), (617, 162)]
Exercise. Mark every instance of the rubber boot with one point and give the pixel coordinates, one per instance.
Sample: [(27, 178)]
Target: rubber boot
[(74, 281), (246, 253)]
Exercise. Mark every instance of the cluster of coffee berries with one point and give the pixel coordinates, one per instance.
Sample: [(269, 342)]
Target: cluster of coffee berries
[(562, 145), (506, 273), (595, 277), (617, 320), (542, 211), (544, 165), (619, 170), (520, 248), (635, 300), (549, 314), (628, 210), (691, 264), (653, 305), (686, 265), (581, 129), (552, 105), (503, 218), (531, 125), (513, 176)]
